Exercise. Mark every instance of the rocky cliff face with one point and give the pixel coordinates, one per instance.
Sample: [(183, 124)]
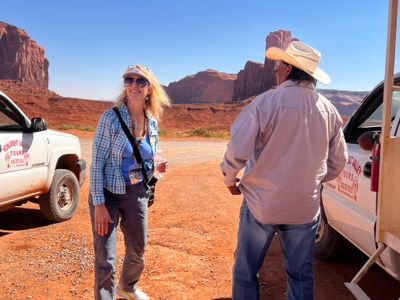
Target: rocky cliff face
[(207, 86), (21, 58), (248, 81), (254, 80), (82, 113), (346, 102)]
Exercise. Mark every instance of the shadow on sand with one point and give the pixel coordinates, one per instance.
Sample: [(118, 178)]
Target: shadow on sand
[(19, 218)]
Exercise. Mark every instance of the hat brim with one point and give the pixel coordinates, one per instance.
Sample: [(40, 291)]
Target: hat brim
[(276, 53)]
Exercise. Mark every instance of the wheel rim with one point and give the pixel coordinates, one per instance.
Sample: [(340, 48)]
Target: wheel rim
[(320, 231), (65, 196)]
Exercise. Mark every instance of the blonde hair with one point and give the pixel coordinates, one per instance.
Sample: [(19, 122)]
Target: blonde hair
[(157, 98)]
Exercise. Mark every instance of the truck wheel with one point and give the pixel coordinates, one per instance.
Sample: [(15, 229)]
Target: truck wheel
[(60, 203), (327, 241)]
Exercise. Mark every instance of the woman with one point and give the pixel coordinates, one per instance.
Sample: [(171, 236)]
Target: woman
[(117, 192)]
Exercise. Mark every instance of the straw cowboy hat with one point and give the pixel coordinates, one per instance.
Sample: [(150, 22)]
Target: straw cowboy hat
[(303, 57)]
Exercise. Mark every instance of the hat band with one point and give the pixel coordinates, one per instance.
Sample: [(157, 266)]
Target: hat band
[(306, 57), (305, 62)]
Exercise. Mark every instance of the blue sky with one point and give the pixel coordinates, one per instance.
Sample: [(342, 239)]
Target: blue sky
[(90, 43)]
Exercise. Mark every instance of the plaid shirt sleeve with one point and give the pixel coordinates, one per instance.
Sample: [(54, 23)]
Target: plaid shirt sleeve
[(100, 151)]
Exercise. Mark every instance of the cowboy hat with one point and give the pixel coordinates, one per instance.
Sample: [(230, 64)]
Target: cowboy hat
[(301, 56)]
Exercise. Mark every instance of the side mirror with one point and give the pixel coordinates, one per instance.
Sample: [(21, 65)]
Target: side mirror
[(38, 124), (368, 139)]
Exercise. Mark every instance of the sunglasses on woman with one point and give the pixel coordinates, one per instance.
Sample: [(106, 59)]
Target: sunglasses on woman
[(141, 82)]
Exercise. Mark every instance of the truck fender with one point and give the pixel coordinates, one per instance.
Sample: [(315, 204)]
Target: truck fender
[(71, 154)]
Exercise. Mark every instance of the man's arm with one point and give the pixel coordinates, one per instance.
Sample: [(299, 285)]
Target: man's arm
[(244, 133), (337, 156)]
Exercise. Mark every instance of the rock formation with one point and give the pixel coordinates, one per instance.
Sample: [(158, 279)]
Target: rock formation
[(248, 81), (207, 86), (346, 102), (21, 58), (256, 80), (81, 113)]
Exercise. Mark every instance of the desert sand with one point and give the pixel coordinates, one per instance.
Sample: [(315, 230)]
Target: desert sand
[(192, 236)]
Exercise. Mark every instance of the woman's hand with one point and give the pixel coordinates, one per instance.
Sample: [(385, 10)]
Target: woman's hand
[(162, 166), (101, 219)]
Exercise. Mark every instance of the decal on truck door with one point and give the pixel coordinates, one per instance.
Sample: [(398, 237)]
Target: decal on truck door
[(348, 179), (16, 154)]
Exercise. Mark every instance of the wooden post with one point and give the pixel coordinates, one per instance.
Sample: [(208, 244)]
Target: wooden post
[(388, 222), (386, 115)]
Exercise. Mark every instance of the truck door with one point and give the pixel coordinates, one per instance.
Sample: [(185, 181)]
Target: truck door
[(23, 155), (349, 204)]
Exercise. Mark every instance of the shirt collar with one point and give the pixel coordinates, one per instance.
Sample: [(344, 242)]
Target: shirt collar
[(292, 83), (127, 118)]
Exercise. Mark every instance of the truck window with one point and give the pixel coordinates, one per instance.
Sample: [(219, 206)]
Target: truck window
[(8, 119), (369, 116), (375, 119)]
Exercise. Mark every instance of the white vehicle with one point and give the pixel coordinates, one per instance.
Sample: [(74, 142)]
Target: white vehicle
[(369, 215), (349, 205), (37, 164)]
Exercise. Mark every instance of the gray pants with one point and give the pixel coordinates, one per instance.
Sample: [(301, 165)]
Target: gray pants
[(131, 209)]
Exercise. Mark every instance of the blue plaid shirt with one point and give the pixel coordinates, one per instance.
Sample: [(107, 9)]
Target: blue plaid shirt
[(108, 144)]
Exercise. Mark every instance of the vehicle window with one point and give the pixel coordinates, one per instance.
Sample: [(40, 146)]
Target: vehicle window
[(8, 119), (375, 119)]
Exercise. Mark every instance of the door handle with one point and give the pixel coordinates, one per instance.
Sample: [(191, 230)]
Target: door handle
[(367, 169)]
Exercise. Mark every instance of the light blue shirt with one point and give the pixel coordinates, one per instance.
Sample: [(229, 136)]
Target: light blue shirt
[(128, 160)]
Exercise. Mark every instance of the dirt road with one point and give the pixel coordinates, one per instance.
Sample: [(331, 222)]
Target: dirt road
[(192, 236)]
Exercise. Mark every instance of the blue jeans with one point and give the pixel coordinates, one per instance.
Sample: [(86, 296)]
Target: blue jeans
[(131, 210), (254, 239)]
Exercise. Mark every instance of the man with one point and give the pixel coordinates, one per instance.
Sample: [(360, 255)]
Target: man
[(289, 140)]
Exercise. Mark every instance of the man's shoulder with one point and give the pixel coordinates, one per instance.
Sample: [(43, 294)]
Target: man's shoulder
[(328, 104), (264, 97), (325, 100)]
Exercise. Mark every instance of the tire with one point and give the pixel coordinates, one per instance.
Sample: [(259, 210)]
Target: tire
[(328, 242), (60, 203)]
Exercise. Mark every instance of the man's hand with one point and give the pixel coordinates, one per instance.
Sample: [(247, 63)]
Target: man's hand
[(234, 189)]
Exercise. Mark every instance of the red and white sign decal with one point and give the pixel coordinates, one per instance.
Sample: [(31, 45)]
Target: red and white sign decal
[(16, 154), (347, 181)]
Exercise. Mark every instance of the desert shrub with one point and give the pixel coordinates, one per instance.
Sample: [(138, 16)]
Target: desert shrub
[(207, 132), (162, 132), (77, 127)]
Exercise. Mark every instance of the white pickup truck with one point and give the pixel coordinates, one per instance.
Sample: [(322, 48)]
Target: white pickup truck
[(349, 205), (37, 164)]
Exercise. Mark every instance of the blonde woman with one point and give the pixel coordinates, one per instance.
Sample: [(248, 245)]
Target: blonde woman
[(117, 191)]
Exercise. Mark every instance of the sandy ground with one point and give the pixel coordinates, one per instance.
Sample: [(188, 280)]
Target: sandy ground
[(192, 236)]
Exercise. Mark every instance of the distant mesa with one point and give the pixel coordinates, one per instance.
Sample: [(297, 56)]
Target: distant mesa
[(346, 102), (248, 82), (208, 86), (211, 86), (21, 58), (207, 99), (257, 78)]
